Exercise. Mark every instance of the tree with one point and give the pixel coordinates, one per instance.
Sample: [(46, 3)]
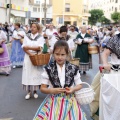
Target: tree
[(96, 14), (104, 20), (115, 16)]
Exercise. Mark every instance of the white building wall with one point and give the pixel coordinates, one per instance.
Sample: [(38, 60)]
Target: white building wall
[(36, 14), (3, 12), (108, 6), (3, 15)]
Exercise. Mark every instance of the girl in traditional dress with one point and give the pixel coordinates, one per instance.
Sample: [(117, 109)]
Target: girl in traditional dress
[(17, 53), (33, 43), (5, 65), (63, 80), (84, 39)]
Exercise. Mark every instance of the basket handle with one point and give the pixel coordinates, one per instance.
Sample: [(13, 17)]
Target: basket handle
[(86, 84)]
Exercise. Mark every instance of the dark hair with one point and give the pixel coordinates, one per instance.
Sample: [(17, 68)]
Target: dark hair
[(63, 44), (73, 26), (17, 24), (63, 29)]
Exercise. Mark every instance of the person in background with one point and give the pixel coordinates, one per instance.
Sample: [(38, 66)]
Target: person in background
[(5, 65), (72, 32), (83, 40), (31, 75), (17, 53), (118, 31)]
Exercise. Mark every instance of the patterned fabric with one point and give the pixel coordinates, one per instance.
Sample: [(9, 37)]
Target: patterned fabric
[(70, 72), (31, 87), (86, 66), (60, 107), (114, 45), (35, 39), (62, 38)]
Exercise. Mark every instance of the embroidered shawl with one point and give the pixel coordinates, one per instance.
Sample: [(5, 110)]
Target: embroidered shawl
[(114, 45), (70, 72)]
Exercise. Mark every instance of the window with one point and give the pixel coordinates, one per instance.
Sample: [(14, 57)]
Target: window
[(34, 9), (112, 8), (67, 7), (38, 9), (37, 2), (116, 1), (116, 9)]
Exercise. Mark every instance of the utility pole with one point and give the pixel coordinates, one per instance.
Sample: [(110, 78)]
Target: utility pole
[(45, 10), (10, 5)]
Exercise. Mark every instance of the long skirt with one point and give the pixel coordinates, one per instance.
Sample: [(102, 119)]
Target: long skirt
[(5, 65), (17, 53), (60, 107), (31, 75), (86, 66)]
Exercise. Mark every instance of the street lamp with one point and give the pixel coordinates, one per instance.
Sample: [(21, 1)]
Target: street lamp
[(40, 11), (63, 11)]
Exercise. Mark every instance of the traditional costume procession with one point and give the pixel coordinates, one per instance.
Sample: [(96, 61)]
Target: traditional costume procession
[(54, 58)]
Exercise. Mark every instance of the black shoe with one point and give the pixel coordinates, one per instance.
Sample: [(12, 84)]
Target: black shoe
[(84, 72), (7, 74)]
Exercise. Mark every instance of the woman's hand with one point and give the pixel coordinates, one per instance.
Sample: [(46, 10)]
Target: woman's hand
[(57, 90), (2, 41), (107, 66)]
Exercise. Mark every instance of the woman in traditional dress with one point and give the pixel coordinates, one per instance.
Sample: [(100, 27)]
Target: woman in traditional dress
[(5, 65), (17, 53), (31, 75), (111, 49), (60, 75), (84, 39)]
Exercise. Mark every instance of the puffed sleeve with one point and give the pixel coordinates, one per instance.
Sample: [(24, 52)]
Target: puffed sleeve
[(4, 35), (24, 41), (41, 42), (77, 79), (45, 78)]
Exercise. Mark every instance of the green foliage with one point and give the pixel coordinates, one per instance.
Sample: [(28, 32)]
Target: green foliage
[(104, 20), (96, 15), (115, 16)]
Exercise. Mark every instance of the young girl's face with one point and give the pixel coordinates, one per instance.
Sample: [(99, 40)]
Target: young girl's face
[(60, 55)]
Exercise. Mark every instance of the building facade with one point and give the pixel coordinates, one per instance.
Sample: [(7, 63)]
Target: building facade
[(3, 11), (17, 13), (37, 11), (69, 12), (108, 6)]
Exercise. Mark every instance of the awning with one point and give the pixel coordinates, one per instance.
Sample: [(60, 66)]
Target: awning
[(18, 13)]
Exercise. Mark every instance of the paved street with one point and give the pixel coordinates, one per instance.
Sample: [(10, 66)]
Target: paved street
[(13, 106)]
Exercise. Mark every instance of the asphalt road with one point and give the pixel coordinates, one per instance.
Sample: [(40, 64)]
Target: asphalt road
[(13, 106)]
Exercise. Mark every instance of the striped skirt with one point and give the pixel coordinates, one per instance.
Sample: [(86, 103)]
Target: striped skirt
[(60, 107)]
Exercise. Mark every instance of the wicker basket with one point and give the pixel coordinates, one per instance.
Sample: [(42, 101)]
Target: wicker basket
[(1, 50), (85, 95), (40, 59), (75, 61), (93, 49)]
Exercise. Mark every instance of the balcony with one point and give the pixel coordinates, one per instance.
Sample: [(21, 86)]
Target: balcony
[(86, 15)]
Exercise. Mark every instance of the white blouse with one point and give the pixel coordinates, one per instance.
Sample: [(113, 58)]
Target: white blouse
[(27, 42), (114, 59), (15, 34), (3, 35), (61, 74)]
